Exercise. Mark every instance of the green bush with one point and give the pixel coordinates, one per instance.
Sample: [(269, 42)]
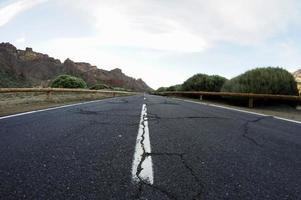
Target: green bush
[(204, 82), (161, 89), (121, 89), (174, 88), (268, 80), (171, 89), (67, 81), (100, 87), (10, 80)]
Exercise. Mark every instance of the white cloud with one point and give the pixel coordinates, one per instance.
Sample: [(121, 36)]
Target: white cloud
[(177, 27), (191, 25), (117, 27), (12, 9)]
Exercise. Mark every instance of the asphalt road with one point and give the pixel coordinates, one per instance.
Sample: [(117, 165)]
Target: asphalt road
[(197, 152)]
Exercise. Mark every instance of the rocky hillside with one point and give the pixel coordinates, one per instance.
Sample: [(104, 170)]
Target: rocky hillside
[(19, 68), (297, 76)]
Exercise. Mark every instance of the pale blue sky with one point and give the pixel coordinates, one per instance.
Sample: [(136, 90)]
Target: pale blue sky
[(162, 42)]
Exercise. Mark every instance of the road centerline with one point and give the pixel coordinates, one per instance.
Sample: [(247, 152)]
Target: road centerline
[(142, 168)]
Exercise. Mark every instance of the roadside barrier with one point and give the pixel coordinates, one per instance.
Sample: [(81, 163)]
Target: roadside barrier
[(251, 96), (49, 91)]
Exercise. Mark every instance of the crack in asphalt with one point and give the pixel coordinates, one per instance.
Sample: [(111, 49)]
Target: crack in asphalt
[(155, 117), (87, 112), (187, 167), (143, 157), (166, 102), (96, 122), (140, 168), (121, 101), (180, 155), (246, 130), (105, 112)]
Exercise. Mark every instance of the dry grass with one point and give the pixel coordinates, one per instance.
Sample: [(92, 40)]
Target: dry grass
[(12, 103)]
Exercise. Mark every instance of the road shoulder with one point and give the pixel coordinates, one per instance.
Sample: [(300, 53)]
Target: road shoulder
[(283, 112)]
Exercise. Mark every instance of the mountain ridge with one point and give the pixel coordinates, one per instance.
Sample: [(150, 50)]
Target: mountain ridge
[(26, 68)]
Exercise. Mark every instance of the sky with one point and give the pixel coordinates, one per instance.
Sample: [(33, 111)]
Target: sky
[(164, 42)]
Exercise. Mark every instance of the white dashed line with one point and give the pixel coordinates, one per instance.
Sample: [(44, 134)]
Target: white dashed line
[(142, 168)]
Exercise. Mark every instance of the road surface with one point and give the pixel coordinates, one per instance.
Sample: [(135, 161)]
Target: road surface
[(148, 147)]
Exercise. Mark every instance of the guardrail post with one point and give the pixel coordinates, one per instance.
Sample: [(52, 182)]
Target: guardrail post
[(251, 102), (48, 96), (298, 107)]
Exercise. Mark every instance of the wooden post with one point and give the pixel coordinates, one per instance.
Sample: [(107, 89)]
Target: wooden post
[(251, 102), (48, 96), (298, 107)]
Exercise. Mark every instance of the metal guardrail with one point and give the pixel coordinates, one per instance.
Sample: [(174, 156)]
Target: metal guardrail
[(250, 96)]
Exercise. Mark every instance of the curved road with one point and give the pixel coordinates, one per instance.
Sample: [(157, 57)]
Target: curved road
[(148, 148)]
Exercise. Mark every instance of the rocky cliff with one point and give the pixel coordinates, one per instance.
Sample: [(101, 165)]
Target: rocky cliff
[(297, 76), (26, 68)]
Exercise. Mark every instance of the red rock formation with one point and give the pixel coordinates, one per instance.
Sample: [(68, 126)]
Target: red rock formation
[(19, 68)]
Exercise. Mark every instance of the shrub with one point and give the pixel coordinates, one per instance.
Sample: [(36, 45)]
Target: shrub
[(161, 89), (121, 89), (203, 82), (67, 81), (174, 88), (100, 87), (268, 80), (171, 89)]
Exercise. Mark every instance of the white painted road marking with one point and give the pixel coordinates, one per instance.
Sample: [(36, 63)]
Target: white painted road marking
[(244, 111), (48, 109), (142, 168)]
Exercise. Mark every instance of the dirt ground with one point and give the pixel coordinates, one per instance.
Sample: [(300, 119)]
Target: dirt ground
[(12, 103)]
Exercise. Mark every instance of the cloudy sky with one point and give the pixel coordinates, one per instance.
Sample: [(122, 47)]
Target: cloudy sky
[(161, 41)]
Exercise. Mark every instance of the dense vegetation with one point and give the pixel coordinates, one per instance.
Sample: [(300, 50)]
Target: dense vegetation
[(174, 88), (11, 80), (204, 82), (121, 89), (263, 81), (67, 81), (269, 80), (161, 89), (100, 87)]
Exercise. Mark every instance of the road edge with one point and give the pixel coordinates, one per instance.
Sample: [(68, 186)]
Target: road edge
[(238, 110), (55, 108)]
